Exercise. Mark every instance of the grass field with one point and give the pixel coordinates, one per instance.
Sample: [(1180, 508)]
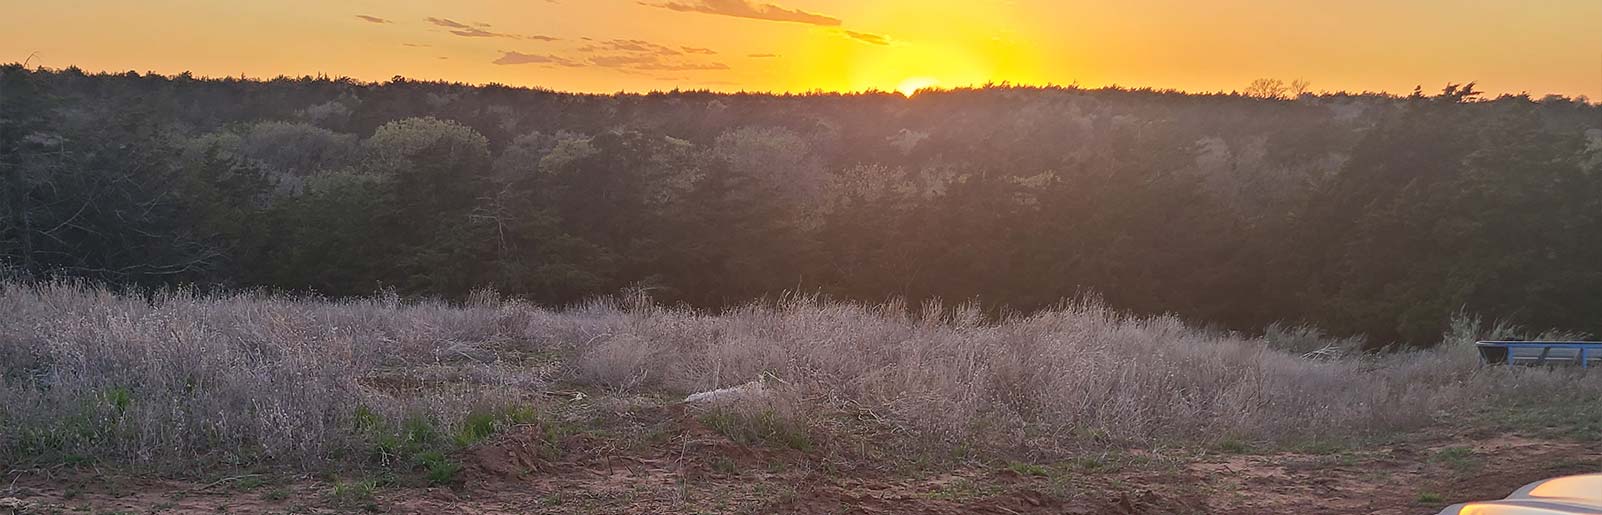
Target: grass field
[(384, 403)]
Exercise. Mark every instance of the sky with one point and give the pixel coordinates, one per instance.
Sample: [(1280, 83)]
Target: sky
[(1508, 46)]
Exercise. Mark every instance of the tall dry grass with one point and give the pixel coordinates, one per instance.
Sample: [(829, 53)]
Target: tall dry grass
[(177, 378)]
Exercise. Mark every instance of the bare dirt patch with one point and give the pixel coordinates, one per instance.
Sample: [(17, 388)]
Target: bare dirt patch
[(694, 469), (1411, 478)]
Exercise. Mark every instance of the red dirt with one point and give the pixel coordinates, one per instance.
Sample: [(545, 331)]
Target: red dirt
[(698, 471)]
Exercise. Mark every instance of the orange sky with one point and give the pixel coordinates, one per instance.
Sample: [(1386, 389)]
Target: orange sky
[(1535, 46)]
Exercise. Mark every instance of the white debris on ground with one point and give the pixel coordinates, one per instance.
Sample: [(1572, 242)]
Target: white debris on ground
[(10, 505), (752, 390)]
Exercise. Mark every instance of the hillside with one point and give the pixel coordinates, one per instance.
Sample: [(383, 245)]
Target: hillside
[(1361, 214)]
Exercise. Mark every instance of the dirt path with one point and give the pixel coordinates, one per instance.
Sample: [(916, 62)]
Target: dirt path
[(702, 473)]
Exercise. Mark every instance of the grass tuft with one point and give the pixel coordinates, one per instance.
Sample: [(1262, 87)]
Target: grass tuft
[(177, 380)]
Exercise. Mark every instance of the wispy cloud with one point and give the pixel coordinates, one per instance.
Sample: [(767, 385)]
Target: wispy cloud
[(748, 9), (476, 30), (683, 66), (630, 45), (762, 56), (447, 23), (416, 45), (509, 58), (637, 55), (644, 62), (372, 19), (872, 39)]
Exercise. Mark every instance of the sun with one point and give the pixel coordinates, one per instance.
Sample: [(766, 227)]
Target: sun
[(912, 85)]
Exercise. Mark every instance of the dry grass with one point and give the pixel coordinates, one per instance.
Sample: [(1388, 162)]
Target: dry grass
[(178, 379)]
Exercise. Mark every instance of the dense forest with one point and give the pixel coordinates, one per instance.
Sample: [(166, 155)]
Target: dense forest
[(1360, 213)]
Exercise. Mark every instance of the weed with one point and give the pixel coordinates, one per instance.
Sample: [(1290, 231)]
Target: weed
[(725, 466), (963, 489), (1234, 446), (118, 399), (1458, 458), (1029, 469), (764, 428), (1093, 463), (1320, 447), (551, 499), (438, 468), (354, 494), (249, 482), (481, 424)]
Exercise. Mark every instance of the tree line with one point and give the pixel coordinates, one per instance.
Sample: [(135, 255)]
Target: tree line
[(1361, 213)]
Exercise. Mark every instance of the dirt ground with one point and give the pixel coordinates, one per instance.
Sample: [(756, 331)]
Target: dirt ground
[(700, 471)]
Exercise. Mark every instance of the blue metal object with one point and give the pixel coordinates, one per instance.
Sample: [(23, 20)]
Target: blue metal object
[(1497, 352)]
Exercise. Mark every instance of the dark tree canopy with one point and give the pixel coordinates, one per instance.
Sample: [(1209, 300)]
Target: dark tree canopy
[(1362, 213)]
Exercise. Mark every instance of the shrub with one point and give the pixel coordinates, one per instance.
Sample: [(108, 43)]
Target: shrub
[(178, 379)]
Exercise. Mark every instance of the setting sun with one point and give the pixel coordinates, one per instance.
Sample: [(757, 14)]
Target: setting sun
[(913, 85)]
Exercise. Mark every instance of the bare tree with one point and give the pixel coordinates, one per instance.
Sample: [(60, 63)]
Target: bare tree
[(1267, 88), (1299, 87)]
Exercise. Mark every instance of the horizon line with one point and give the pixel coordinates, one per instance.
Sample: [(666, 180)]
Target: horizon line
[(1003, 84)]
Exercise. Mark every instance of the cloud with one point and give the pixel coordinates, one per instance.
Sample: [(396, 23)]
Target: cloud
[(762, 56), (630, 45), (748, 9), (622, 61), (477, 30), (416, 45), (872, 39), (651, 62), (372, 19), (446, 22), (680, 66), (509, 58), (633, 56)]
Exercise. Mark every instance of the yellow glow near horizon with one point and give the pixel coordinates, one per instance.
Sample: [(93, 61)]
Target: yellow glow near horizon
[(913, 85), (1508, 46)]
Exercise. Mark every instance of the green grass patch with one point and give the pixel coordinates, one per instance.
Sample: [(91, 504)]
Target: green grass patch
[(438, 468), (417, 444), (1458, 458), (963, 489), (1319, 448), (356, 494), (1234, 446), (1029, 469), (763, 428), (1576, 421)]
